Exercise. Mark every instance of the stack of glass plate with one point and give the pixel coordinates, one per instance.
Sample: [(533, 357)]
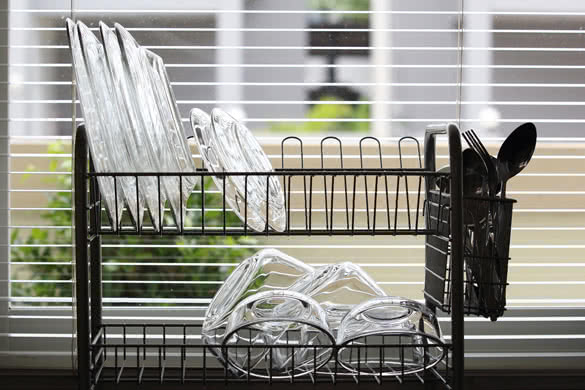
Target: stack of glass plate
[(133, 123)]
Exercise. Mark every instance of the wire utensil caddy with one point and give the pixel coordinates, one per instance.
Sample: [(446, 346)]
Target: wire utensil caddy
[(348, 201), (487, 229), (486, 254)]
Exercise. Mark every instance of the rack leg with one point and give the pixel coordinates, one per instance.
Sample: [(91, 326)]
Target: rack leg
[(457, 234), (81, 257), (95, 256)]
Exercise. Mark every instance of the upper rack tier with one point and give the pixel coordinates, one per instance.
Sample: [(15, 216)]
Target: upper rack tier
[(365, 192)]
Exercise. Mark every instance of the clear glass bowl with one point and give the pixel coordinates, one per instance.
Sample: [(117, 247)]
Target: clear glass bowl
[(267, 270), (278, 334), (389, 336), (338, 288)]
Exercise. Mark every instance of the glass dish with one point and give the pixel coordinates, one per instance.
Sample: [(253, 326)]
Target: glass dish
[(287, 319), (201, 126), (108, 109), (156, 134), (389, 321), (338, 288), (237, 150), (171, 116), (267, 270), (96, 134), (132, 126)]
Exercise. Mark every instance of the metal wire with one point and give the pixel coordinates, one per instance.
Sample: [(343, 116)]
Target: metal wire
[(172, 358), (340, 215)]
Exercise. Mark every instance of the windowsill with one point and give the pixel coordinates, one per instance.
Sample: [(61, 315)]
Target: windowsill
[(476, 380)]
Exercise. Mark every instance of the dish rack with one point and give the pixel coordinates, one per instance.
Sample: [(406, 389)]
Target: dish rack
[(106, 352)]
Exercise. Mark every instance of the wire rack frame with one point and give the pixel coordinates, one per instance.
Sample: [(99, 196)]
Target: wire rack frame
[(92, 333)]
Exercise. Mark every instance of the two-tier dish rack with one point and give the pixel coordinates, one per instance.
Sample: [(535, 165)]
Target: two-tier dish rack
[(176, 359)]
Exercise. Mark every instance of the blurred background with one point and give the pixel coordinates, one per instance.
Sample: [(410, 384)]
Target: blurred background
[(381, 67)]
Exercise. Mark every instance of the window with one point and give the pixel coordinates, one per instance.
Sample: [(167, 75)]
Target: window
[(365, 67)]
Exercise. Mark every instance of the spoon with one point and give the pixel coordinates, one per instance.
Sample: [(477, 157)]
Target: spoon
[(474, 174), (515, 153)]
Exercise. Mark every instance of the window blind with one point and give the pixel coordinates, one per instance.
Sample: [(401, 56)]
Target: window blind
[(486, 65)]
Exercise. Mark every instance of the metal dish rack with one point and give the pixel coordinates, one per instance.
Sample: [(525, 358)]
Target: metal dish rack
[(106, 354)]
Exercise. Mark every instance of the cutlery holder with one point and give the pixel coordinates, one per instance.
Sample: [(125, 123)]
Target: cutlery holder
[(487, 229)]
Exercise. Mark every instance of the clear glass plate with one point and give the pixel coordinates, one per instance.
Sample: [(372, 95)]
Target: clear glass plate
[(132, 131), (237, 150), (172, 118), (201, 125), (108, 109), (138, 70), (96, 134)]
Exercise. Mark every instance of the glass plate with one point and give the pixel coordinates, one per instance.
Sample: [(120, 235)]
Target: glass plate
[(133, 131), (171, 116), (95, 130), (108, 109), (237, 150), (138, 69), (201, 125)]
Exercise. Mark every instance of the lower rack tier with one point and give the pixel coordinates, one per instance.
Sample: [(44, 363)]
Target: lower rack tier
[(173, 354)]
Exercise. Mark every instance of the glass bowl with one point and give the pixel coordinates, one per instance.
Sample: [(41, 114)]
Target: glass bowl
[(277, 334), (389, 336), (267, 270), (338, 288)]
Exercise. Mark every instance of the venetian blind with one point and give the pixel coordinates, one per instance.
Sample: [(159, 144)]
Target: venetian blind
[(397, 66)]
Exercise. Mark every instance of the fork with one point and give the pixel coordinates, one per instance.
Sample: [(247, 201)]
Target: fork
[(475, 143)]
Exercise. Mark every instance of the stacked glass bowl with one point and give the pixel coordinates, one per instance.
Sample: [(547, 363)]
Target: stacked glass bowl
[(278, 317)]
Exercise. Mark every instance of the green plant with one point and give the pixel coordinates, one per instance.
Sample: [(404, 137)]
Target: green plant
[(125, 265), (344, 5), (330, 111)]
